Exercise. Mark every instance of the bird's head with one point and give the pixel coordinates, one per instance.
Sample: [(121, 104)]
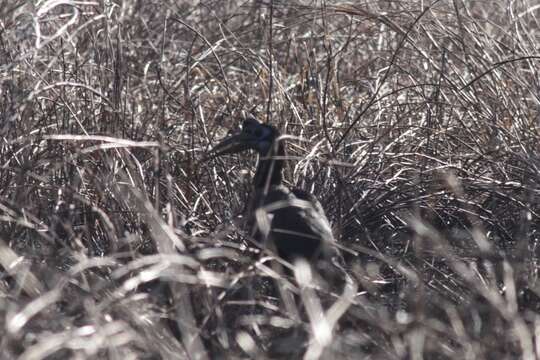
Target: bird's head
[(253, 135)]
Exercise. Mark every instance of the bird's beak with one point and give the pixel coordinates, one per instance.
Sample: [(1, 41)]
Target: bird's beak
[(230, 145)]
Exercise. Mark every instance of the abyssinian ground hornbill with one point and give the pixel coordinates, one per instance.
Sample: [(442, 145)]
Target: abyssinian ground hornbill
[(292, 220)]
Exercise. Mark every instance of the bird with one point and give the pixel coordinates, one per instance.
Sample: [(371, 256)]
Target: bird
[(289, 220), (291, 223)]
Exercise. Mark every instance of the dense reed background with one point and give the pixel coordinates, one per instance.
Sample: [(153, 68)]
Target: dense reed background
[(416, 123)]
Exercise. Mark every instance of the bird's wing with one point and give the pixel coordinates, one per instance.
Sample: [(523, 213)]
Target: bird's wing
[(335, 268), (314, 213), (298, 226)]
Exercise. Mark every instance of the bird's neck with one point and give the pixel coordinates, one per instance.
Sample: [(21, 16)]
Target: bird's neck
[(270, 166)]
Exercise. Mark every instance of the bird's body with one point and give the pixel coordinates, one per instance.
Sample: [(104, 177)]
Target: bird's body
[(290, 219), (293, 222)]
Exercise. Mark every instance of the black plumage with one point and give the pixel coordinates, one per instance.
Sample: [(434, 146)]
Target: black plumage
[(292, 219)]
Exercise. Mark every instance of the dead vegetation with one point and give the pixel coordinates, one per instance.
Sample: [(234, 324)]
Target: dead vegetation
[(415, 123)]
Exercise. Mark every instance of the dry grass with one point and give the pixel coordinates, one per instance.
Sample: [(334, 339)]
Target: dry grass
[(416, 125)]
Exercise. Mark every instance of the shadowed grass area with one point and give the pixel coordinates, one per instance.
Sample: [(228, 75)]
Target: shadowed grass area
[(415, 123)]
